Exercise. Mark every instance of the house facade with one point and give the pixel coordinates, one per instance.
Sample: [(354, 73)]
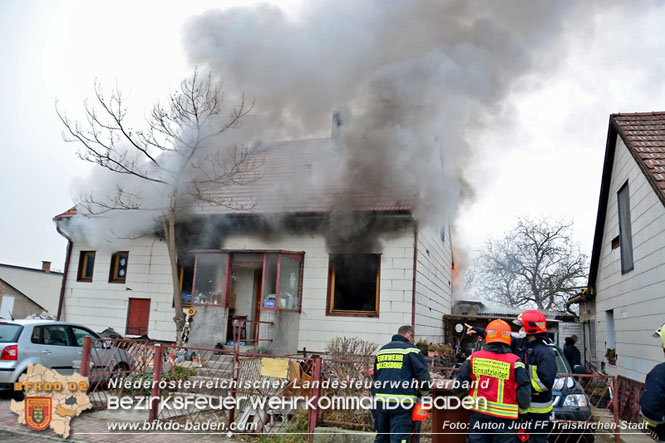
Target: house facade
[(25, 291), (625, 302), (292, 284)]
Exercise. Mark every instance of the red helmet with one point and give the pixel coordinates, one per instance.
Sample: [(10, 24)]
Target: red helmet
[(534, 322)]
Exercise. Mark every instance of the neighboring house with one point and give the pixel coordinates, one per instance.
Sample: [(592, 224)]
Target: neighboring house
[(626, 297), (285, 263), (25, 291)]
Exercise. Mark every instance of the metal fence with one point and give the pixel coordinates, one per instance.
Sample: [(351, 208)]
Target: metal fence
[(138, 368)]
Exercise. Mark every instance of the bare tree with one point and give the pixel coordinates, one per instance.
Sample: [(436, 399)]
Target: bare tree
[(536, 264), (169, 163)]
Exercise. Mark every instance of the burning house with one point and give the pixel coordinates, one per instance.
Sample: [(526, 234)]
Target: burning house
[(296, 265)]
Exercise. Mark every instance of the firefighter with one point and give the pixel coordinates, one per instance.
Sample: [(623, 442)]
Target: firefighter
[(652, 403), (396, 366), (531, 346), (500, 388)]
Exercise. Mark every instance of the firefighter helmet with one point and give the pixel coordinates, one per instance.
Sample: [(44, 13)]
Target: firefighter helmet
[(534, 322), (660, 332), (497, 331)]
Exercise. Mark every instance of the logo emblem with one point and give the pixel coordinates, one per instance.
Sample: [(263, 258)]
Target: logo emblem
[(38, 412)]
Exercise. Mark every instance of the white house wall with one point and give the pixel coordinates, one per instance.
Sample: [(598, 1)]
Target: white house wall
[(316, 328), (100, 304), (636, 297), (433, 283)]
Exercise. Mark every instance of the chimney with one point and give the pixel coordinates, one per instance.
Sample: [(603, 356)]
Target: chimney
[(339, 118), (46, 266)]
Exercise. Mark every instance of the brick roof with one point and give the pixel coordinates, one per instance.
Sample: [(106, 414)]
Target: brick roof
[(71, 212), (644, 133)]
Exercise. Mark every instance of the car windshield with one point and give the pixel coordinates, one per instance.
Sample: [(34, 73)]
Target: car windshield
[(9, 332), (561, 365)]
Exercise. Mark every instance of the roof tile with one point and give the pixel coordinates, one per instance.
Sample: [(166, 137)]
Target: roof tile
[(644, 133)]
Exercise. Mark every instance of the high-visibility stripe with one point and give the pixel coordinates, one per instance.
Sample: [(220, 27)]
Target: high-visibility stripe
[(499, 398), (519, 364), (650, 421), (540, 408), (536, 384), (496, 409), (399, 351)]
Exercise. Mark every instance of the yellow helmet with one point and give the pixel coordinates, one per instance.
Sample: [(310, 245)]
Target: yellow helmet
[(660, 332)]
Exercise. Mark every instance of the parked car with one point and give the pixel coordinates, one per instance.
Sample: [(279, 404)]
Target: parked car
[(55, 345)]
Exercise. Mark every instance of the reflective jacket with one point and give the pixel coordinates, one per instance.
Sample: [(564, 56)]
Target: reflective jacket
[(396, 366), (500, 378), (541, 366), (652, 403)]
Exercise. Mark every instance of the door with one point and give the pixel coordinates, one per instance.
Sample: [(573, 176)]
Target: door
[(55, 347), (138, 315)]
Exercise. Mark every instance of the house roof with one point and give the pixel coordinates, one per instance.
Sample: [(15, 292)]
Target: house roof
[(293, 177), (644, 135), (71, 212)]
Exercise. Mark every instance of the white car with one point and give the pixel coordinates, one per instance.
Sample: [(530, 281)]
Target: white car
[(55, 345)]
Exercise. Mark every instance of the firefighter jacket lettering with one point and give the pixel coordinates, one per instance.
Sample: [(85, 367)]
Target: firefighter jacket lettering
[(540, 363), (500, 383), (400, 371)]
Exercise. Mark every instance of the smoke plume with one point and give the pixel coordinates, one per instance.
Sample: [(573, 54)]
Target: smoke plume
[(417, 79)]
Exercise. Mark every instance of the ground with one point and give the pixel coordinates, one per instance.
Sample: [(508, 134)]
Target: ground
[(87, 427)]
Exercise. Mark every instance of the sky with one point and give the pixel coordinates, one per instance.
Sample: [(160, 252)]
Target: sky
[(541, 154)]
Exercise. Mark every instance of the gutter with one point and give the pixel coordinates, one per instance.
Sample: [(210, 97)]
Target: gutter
[(64, 274), (415, 262)]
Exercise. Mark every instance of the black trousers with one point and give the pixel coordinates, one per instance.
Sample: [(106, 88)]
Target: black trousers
[(537, 426), (392, 426), (489, 429)]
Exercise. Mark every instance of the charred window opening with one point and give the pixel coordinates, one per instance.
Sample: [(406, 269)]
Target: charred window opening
[(186, 278), (354, 284)]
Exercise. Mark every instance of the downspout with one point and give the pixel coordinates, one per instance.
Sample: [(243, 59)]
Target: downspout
[(64, 275), (415, 262)]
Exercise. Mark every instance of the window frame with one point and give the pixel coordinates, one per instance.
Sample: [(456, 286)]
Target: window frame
[(113, 269), (226, 299), (330, 297), (83, 266), (625, 231), (297, 256)]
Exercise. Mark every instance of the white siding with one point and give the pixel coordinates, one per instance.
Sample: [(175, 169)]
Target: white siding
[(100, 304), (433, 283), (637, 297)]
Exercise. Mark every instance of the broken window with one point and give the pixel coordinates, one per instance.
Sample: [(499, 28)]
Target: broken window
[(86, 266), (354, 284), (210, 278), (118, 271), (186, 278)]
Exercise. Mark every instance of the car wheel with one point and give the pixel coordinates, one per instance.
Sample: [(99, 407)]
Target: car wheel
[(19, 395)]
